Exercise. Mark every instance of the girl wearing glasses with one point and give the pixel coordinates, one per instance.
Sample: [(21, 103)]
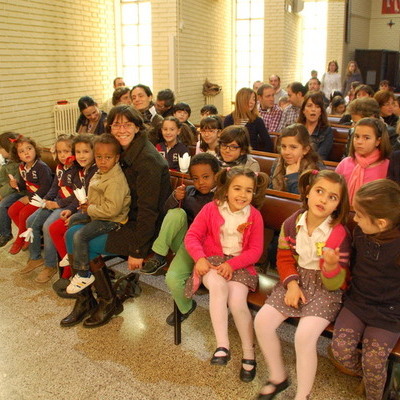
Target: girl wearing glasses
[(210, 128), (234, 148)]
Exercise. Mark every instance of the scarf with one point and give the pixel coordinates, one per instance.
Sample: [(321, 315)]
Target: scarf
[(356, 179)]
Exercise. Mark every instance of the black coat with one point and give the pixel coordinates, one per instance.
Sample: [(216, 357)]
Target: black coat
[(148, 179)]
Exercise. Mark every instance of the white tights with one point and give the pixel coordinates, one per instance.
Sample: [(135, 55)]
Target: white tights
[(308, 331), (224, 294)]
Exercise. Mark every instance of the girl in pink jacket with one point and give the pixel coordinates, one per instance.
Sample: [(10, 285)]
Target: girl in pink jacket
[(225, 240)]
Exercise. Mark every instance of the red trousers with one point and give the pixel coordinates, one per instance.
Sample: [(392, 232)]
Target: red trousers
[(19, 213)]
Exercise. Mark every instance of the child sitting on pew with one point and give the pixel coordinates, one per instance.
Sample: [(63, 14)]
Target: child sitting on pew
[(313, 256), (225, 240), (171, 148), (210, 129), (371, 312), (369, 152), (234, 148), (182, 206), (106, 209), (8, 195), (296, 156), (34, 177)]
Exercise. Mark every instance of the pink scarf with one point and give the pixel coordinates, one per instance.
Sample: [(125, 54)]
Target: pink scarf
[(356, 179)]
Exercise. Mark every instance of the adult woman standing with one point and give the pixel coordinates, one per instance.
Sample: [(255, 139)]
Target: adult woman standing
[(313, 117), (142, 100), (246, 114), (353, 74), (148, 178), (91, 120), (331, 79)]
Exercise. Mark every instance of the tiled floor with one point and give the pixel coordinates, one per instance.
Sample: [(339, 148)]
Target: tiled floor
[(132, 357)]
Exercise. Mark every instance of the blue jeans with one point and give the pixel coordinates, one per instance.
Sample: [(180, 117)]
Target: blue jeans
[(87, 242), (40, 221), (5, 220)]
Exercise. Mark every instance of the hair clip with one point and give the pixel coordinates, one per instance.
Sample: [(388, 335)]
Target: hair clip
[(228, 169), (14, 140), (314, 172), (70, 160), (256, 173)]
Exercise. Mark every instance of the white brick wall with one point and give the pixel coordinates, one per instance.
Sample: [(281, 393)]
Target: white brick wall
[(52, 50)]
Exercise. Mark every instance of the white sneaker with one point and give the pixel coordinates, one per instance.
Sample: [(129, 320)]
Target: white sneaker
[(64, 262), (79, 283)]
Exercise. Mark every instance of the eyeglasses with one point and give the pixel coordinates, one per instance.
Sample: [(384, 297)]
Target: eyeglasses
[(117, 126), (231, 147), (209, 130)]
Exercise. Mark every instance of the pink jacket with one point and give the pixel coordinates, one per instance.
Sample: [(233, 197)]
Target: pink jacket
[(378, 171), (202, 238)]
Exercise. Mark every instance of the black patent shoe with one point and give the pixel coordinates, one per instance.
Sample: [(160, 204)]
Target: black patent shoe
[(221, 360), (280, 387), (248, 375)]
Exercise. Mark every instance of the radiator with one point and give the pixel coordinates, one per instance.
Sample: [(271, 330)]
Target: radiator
[(217, 101), (65, 118)]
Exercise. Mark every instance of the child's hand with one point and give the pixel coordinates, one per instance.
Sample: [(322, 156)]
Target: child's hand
[(134, 263), (180, 192), (331, 258), (225, 270), (293, 168), (51, 205), (65, 214), (13, 182), (83, 207), (294, 294), (24, 200), (202, 266)]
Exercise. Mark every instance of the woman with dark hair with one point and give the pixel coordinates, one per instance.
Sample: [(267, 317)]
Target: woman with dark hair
[(142, 100), (386, 99), (91, 120), (246, 114), (148, 178), (313, 117)]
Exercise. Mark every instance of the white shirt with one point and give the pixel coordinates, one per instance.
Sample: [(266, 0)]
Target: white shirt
[(231, 239), (309, 248)]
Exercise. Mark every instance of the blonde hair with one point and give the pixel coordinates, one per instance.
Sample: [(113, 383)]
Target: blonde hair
[(242, 106)]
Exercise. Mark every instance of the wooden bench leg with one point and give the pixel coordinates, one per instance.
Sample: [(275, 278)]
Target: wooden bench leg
[(392, 386), (177, 326)]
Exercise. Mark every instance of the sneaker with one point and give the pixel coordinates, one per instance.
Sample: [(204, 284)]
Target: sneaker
[(153, 265), (25, 246), (5, 239), (171, 317), (31, 265), (64, 262), (45, 274), (79, 283), (16, 247)]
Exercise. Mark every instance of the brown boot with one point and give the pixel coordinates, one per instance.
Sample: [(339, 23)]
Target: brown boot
[(108, 305)]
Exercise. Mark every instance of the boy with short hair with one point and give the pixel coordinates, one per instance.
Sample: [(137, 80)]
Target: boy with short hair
[(182, 111), (106, 208), (183, 205)]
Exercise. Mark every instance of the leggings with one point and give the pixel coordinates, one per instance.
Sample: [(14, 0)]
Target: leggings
[(19, 213), (377, 344)]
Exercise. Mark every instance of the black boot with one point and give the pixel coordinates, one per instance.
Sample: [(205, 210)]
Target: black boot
[(108, 305), (84, 305)]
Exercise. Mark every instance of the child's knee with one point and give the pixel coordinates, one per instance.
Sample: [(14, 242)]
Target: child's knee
[(175, 280)]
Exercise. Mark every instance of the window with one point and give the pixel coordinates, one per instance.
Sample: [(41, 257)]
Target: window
[(249, 42), (315, 19), (137, 60)]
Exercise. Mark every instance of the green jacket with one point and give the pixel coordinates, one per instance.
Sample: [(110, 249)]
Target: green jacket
[(10, 167)]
